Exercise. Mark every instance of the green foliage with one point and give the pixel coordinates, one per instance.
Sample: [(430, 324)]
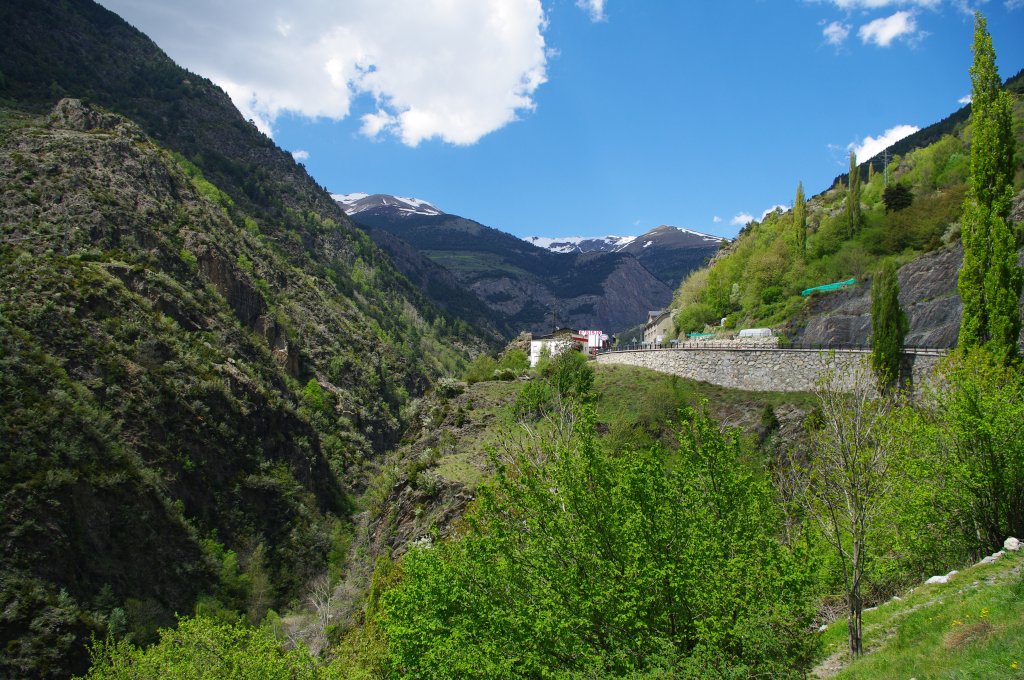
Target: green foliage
[(482, 368), (853, 207), (990, 280), (889, 326), (983, 415), (897, 197), (203, 647), (600, 564), (800, 222), (515, 360)]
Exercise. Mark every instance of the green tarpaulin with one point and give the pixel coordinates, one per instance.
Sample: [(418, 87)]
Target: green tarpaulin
[(828, 287)]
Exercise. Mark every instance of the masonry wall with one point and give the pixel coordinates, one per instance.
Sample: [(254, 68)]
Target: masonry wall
[(778, 370)]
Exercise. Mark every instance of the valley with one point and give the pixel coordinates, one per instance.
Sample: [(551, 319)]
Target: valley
[(250, 428)]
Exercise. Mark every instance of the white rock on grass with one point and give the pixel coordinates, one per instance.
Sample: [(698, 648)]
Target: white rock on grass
[(993, 557), (1011, 544), (941, 579)]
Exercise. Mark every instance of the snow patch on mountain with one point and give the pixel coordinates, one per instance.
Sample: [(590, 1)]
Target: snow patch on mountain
[(586, 244), (358, 202)]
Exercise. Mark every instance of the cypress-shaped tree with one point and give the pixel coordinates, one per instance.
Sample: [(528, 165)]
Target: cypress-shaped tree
[(853, 198), (990, 280), (889, 326), (800, 222)]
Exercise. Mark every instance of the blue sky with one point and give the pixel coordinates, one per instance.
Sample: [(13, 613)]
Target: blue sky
[(583, 117)]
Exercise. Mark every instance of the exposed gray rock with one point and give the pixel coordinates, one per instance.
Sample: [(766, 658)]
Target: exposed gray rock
[(1011, 544), (928, 295)]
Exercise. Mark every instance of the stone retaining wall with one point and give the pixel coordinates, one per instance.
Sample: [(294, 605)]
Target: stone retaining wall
[(775, 370)]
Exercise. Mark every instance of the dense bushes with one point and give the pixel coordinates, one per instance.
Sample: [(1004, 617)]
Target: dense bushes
[(580, 561)]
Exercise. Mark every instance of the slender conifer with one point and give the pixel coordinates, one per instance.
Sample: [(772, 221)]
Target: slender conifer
[(990, 280)]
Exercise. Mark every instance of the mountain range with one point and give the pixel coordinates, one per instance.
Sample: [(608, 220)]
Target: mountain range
[(607, 283)]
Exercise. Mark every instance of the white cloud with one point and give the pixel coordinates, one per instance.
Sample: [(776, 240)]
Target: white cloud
[(300, 155), (455, 70), (595, 8), (741, 219), (716, 219), (1014, 4), (836, 33), (883, 31), (872, 146), (966, 99)]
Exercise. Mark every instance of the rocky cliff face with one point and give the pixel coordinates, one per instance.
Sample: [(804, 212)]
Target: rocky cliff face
[(928, 295)]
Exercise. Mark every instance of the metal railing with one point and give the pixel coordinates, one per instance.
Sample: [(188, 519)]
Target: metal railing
[(784, 346)]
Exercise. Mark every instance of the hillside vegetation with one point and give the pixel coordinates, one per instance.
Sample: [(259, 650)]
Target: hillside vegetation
[(201, 357), (757, 280)]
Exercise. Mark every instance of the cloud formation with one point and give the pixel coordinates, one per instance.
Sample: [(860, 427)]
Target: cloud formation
[(963, 101), (594, 8), (741, 219), (836, 33), (300, 155), (883, 31), (454, 70), (872, 146)]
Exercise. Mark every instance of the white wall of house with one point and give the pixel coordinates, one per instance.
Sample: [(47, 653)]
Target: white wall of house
[(553, 345)]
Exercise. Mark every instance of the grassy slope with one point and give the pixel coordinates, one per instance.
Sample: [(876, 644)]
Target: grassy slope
[(971, 627)]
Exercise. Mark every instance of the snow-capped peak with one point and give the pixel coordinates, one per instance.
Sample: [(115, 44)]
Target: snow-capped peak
[(585, 244), (359, 202)]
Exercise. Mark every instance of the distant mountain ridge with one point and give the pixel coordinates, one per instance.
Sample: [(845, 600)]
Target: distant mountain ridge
[(582, 244), (524, 286), (353, 204)]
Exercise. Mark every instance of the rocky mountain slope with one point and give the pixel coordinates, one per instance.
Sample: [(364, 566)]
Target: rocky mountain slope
[(670, 253), (521, 284), (201, 356)]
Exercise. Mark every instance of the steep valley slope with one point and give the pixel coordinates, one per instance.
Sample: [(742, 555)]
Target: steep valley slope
[(201, 357)]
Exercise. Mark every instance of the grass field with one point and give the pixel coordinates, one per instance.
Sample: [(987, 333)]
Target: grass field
[(970, 627)]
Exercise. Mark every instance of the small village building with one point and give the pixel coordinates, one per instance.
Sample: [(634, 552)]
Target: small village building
[(595, 340), (561, 340), (659, 326)]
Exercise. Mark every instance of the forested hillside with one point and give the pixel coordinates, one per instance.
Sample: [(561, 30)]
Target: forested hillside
[(202, 357), (911, 209)]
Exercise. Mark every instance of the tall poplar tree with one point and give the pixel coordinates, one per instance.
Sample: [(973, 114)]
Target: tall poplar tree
[(990, 280), (889, 326), (800, 221), (853, 198)]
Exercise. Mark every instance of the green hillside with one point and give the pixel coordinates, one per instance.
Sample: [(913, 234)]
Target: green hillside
[(757, 280), (970, 627), (201, 357)]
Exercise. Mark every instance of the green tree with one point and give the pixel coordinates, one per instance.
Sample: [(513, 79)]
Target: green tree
[(889, 326), (203, 648), (990, 280), (853, 217), (845, 484), (897, 197), (982, 414), (800, 221), (596, 565)]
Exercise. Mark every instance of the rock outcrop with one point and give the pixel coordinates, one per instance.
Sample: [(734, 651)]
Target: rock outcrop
[(928, 295)]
